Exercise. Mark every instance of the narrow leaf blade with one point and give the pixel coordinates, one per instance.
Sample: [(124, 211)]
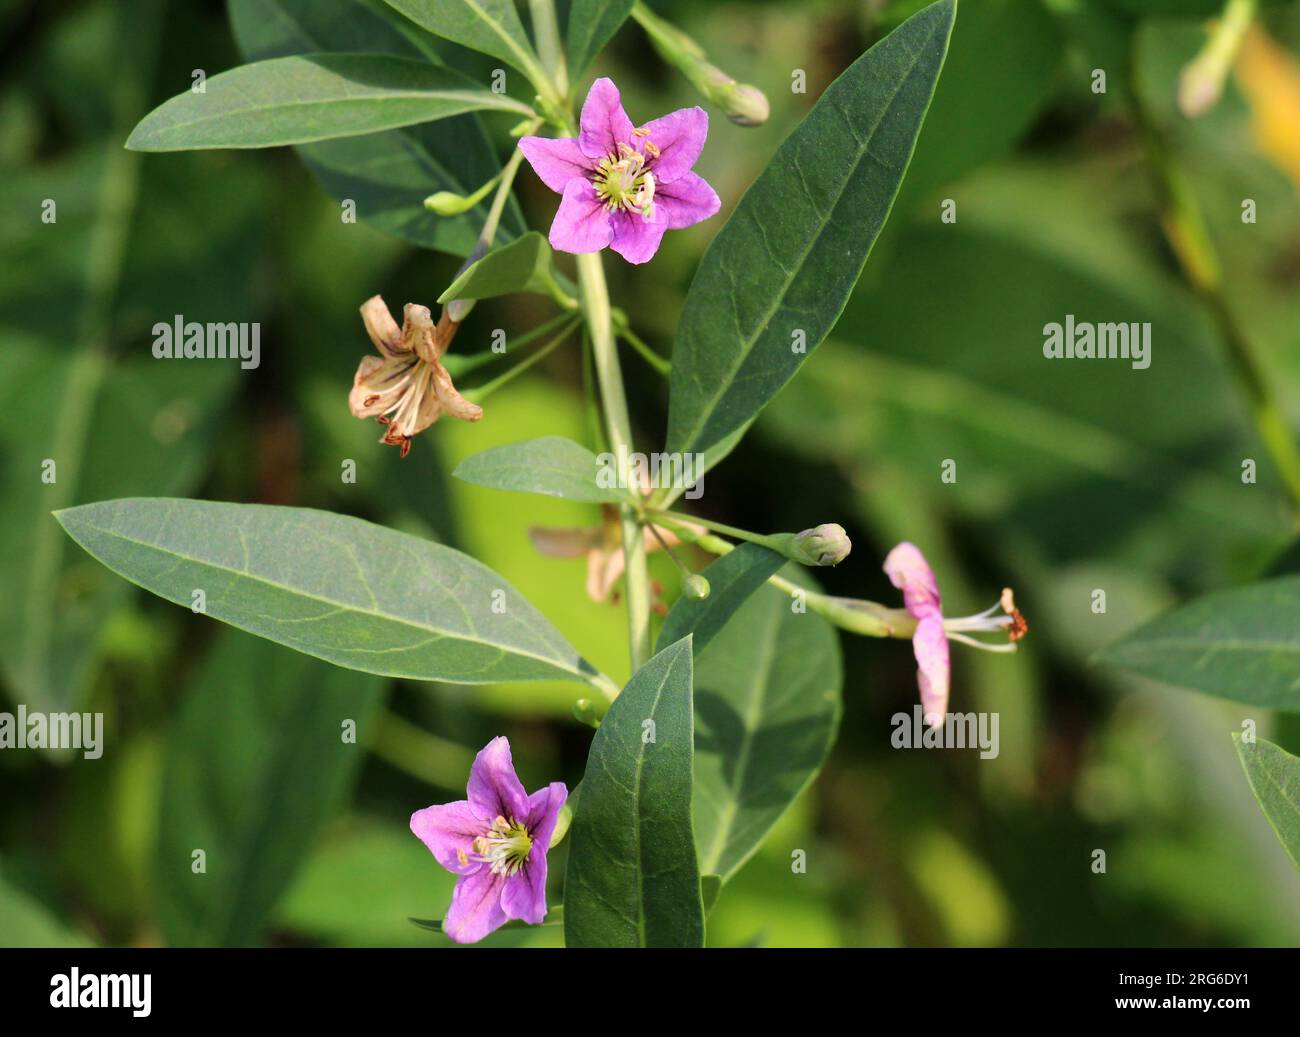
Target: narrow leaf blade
[(489, 26), (1274, 777), (632, 879), (387, 175), (352, 593), (254, 768), (779, 272), (766, 714), (1241, 644), (311, 97), (591, 25)]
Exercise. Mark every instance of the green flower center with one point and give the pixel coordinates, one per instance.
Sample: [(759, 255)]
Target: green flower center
[(506, 846), (623, 182)]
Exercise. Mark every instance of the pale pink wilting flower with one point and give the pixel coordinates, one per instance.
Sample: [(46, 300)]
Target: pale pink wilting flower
[(622, 186), (496, 842), (406, 388), (911, 573), (602, 546)]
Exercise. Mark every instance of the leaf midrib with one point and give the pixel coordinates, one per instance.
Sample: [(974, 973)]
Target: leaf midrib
[(779, 297)]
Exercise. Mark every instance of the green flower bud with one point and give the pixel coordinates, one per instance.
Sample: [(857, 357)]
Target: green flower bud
[(826, 544), (584, 712), (695, 587), (743, 104)]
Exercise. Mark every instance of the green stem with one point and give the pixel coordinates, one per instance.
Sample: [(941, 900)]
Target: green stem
[(618, 427), (481, 392), (664, 367), (546, 33), (489, 232), (867, 618), (771, 542), (1185, 229), (415, 751)]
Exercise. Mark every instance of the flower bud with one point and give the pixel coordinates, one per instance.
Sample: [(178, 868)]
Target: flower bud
[(584, 712), (743, 104), (826, 544), (695, 587)]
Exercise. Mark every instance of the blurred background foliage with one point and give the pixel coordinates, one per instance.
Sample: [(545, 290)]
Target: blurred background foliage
[(1071, 476)]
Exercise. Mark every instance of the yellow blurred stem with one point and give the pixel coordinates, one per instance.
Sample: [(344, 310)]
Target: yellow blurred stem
[(1185, 229)]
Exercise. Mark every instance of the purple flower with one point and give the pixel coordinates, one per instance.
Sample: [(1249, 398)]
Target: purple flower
[(496, 842), (911, 573), (622, 187)]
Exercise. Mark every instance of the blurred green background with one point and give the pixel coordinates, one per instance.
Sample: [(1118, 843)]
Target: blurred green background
[(1071, 476)]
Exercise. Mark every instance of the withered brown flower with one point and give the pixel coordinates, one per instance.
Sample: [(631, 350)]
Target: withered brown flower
[(406, 388)]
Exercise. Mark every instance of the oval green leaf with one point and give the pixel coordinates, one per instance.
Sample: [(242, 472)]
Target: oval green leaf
[(389, 174), (525, 265), (551, 466), (488, 26), (343, 590)]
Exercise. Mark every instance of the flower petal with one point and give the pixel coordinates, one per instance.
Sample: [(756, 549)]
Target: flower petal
[(687, 200), (494, 788), (582, 221), (556, 160), (636, 239), (452, 401), (679, 137), (930, 646), (544, 810), (603, 123), (524, 893), (378, 383), (604, 569), (449, 830), (564, 543), (475, 907), (381, 327), (911, 573), (524, 896)]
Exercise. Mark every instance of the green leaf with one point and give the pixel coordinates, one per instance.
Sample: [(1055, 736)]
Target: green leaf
[(766, 712), (312, 97), (25, 922), (552, 466), (388, 175), (632, 879), (343, 590), (525, 265), (144, 427), (710, 888), (489, 26), (255, 766), (779, 273), (732, 579), (554, 916), (1274, 777), (1241, 644), (591, 25)]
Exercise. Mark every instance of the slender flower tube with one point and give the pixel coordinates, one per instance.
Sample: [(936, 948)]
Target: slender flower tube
[(911, 573), (495, 841), (622, 186)]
